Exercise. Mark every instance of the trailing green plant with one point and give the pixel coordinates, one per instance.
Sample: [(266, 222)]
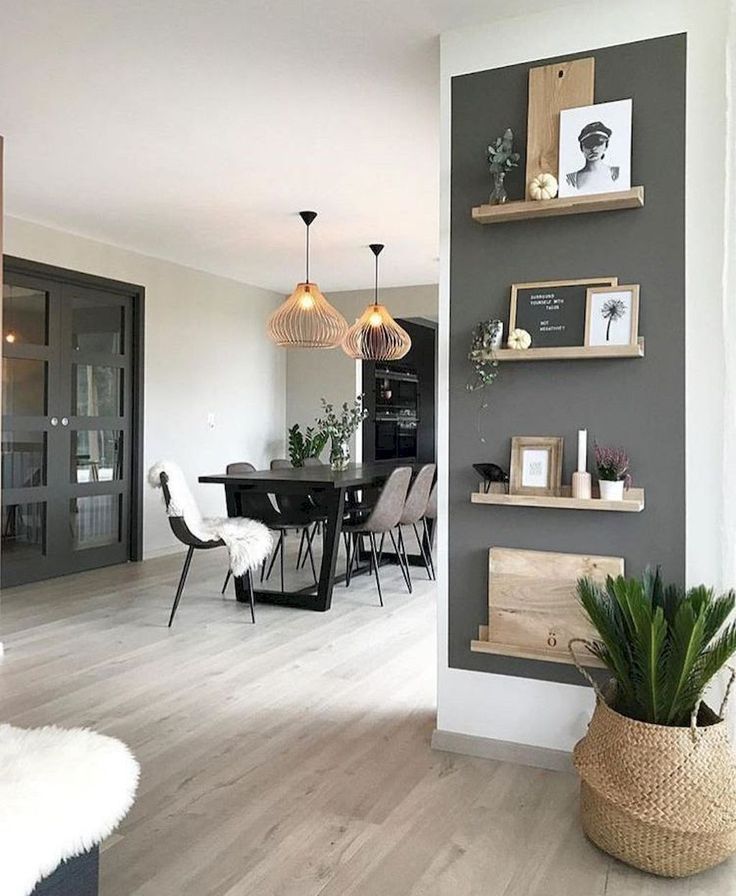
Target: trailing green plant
[(485, 365), (304, 445), (662, 644)]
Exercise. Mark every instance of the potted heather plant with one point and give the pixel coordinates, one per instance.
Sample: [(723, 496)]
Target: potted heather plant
[(658, 778), (612, 465), (340, 426)]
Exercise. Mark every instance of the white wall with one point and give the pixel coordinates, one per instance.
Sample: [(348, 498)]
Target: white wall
[(544, 713), (206, 351), (311, 374)]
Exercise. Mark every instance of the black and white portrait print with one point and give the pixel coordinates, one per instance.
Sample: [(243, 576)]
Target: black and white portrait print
[(595, 149)]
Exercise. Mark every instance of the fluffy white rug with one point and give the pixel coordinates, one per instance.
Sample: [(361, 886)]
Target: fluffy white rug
[(248, 542), (61, 793)]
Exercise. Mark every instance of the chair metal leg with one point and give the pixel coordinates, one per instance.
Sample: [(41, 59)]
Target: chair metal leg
[(227, 579), (279, 548), (346, 536), (400, 558), (301, 548), (402, 549), (428, 545), (281, 561), (380, 547), (182, 580), (311, 559), (251, 596), (374, 558), (310, 541), (421, 550)]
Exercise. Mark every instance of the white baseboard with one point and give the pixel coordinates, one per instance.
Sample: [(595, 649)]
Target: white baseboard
[(502, 750)]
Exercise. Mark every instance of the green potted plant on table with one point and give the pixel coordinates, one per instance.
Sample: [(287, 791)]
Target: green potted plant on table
[(340, 426), (658, 778), (303, 445)]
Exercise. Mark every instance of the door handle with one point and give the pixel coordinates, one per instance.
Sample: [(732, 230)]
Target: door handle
[(65, 421), (54, 421)]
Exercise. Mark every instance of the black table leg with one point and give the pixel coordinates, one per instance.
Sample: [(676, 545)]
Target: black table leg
[(332, 500)]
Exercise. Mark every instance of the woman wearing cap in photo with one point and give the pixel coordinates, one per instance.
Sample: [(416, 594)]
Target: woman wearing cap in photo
[(595, 176)]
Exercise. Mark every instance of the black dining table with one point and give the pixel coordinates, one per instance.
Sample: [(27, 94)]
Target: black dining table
[(329, 488)]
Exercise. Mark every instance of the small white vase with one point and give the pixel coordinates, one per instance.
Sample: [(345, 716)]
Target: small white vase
[(611, 491)]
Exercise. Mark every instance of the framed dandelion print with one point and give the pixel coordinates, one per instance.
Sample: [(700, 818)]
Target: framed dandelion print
[(612, 315)]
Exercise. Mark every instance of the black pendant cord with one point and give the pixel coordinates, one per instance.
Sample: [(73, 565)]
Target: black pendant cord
[(376, 249), (307, 217)]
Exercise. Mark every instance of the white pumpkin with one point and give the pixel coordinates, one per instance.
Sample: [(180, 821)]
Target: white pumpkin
[(543, 186), (519, 339)]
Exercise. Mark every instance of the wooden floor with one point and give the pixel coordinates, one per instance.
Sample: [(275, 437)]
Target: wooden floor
[(291, 757)]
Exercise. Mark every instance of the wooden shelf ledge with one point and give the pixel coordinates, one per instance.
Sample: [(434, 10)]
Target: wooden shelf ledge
[(561, 353), (550, 208), (528, 653), (633, 501)]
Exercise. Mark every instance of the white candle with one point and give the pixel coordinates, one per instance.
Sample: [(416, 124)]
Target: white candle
[(582, 450)]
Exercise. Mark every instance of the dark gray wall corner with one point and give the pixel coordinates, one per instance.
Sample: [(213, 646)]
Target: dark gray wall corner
[(639, 404)]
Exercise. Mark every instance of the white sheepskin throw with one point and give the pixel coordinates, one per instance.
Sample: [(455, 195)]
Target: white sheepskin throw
[(61, 793), (248, 542)]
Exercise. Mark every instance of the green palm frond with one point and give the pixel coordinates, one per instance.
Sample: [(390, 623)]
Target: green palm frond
[(662, 645)]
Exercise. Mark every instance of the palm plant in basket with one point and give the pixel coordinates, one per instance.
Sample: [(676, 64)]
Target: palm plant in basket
[(656, 793), (661, 644)]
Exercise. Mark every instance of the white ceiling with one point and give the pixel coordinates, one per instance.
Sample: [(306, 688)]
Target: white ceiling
[(194, 130)]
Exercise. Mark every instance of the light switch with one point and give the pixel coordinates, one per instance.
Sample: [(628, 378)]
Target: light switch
[(211, 421)]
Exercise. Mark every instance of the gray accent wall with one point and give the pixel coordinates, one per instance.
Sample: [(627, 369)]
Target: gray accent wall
[(639, 404)]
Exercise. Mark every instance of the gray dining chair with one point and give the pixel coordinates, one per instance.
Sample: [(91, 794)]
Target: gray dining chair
[(382, 520), (414, 510), (261, 508), (299, 515)]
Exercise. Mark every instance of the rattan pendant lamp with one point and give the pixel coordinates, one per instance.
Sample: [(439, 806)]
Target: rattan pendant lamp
[(375, 335), (306, 319)]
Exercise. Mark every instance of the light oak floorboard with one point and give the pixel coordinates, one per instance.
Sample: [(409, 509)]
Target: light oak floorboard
[(291, 758)]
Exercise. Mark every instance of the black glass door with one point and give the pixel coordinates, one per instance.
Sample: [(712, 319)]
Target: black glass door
[(66, 428)]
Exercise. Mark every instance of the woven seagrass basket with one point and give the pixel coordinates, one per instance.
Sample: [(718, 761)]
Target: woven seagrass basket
[(659, 798)]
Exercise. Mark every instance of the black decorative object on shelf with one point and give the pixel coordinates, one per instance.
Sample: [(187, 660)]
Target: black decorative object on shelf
[(491, 473)]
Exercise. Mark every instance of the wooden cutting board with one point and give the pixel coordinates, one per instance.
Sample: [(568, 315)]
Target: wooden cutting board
[(552, 88), (533, 609)]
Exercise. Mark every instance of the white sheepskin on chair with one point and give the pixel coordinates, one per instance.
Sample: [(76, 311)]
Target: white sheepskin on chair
[(248, 541), (61, 793)]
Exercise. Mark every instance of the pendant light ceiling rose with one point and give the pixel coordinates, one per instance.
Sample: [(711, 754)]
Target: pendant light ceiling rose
[(376, 336), (306, 319)]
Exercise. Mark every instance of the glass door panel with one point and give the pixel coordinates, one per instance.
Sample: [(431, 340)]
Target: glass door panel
[(95, 521), (25, 315), (96, 354), (30, 322)]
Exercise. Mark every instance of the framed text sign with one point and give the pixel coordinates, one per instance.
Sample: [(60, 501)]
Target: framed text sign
[(553, 312)]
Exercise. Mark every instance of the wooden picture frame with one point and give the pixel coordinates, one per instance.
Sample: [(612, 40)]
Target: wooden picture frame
[(574, 291), (533, 475), (593, 336)]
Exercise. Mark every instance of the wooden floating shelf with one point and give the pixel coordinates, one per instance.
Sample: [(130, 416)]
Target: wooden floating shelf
[(562, 353), (528, 653), (633, 501), (550, 208)]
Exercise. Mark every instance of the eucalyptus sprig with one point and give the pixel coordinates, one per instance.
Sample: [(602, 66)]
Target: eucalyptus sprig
[(340, 425), (501, 155)]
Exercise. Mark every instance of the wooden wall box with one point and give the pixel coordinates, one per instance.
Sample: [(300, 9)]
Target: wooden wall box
[(551, 89), (533, 609)]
